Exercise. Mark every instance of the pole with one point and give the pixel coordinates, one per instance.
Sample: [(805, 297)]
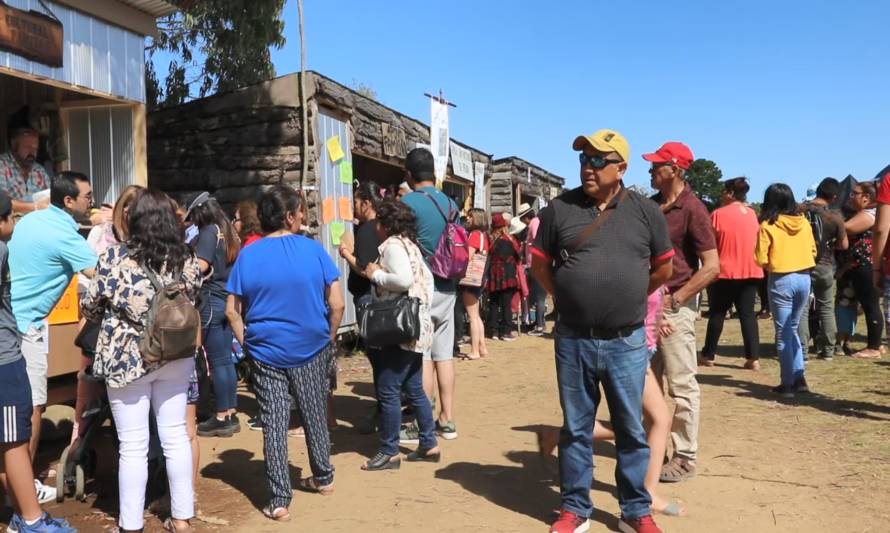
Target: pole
[(304, 153)]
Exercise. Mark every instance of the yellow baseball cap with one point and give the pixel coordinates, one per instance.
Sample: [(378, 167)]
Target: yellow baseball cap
[(604, 141)]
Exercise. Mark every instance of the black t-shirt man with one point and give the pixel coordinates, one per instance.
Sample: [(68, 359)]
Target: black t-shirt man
[(367, 244)]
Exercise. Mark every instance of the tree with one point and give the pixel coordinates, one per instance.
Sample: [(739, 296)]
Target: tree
[(364, 89), (216, 45), (704, 176), (642, 190)]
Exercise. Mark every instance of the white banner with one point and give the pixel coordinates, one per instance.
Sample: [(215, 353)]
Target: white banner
[(439, 138), (479, 186), (461, 162)]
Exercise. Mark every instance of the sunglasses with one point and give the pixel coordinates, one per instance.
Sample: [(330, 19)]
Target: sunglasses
[(595, 161)]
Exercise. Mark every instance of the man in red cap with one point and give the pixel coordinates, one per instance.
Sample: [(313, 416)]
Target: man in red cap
[(689, 225)]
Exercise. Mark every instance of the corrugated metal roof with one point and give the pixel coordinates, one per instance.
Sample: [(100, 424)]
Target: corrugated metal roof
[(155, 8)]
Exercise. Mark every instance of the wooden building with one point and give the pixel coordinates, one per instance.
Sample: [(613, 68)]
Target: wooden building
[(515, 181)]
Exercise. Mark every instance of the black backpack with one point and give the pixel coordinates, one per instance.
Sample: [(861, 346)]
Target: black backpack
[(823, 246)]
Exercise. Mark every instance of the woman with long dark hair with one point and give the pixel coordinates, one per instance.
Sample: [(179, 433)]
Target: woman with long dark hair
[(285, 305), (120, 296), (736, 227), (477, 225), (217, 247), (858, 270), (787, 250), (402, 269), (503, 278)]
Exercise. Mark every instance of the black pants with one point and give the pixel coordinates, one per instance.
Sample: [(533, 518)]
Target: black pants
[(867, 294), (763, 294), (500, 312), (460, 320), (722, 295)]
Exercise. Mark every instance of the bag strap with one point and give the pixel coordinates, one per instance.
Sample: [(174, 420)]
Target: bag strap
[(438, 208), (591, 228), (156, 283)]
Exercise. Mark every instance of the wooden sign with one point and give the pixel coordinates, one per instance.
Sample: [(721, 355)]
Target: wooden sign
[(395, 143), (31, 35)]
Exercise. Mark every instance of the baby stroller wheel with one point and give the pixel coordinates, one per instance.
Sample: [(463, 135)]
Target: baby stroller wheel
[(79, 482), (62, 474)]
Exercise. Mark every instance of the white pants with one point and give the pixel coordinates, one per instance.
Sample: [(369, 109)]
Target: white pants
[(164, 391)]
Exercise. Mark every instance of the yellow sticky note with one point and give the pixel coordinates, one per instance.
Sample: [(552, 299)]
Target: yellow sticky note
[(327, 210), (337, 231), (335, 150), (345, 207), (346, 172)]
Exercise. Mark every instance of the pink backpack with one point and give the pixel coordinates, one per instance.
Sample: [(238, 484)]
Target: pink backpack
[(452, 255)]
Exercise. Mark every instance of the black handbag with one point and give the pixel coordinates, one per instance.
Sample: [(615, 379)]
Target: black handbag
[(390, 322)]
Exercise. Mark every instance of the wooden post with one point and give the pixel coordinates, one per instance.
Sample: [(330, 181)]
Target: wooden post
[(140, 150)]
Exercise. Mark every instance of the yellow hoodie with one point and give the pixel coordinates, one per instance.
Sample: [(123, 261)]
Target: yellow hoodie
[(786, 246)]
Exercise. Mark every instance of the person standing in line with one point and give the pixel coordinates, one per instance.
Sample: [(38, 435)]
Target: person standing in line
[(787, 250), (859, 271), (478, 243), (16, 408), (503, 279), (429, 204), (285, 305), (691, 232), (736, 227), (831, 236), (246, 223), (537, 294), (600, 250), (40, 275), (120, 297), (880, 250), (217, 247)]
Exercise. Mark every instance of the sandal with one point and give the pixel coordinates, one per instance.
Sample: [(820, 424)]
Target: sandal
[(310, 484), (423, 455), (867, 353), (382, 461), (279, 514), (677, 469), (170, 525)]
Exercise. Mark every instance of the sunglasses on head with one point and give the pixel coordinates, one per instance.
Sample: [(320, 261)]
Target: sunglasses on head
[(595, 161)]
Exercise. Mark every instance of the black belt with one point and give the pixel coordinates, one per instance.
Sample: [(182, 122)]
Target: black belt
[(597, 333)]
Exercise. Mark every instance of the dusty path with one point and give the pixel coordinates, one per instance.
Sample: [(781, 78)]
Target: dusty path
[(816, 465)]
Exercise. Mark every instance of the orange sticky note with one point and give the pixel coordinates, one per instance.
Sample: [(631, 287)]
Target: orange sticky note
[(327, 210), (345, 208)]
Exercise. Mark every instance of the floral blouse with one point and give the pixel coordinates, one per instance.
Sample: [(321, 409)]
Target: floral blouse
[(119, 296)]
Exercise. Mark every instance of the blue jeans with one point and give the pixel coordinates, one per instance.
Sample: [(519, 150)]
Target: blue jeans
[(538, 298), (619, 365), (399, 369), (218, 345), (788, 297)]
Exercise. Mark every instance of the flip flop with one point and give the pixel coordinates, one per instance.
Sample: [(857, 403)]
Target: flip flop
[(279, 514), (867, 354), (309, 484)]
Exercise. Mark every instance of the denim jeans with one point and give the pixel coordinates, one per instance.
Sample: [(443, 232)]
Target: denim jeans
[(538, 297), (218, 345), (399, 370), (823, 288), (788, 296), (619, 365)]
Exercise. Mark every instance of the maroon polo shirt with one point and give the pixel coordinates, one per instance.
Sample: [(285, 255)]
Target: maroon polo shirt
[(689, 225)]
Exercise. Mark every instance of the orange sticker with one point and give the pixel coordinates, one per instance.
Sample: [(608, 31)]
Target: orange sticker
[(345, 208), (327, 210), (67, 309)]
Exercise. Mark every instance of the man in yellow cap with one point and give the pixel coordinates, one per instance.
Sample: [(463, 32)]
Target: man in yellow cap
[(600, 250)]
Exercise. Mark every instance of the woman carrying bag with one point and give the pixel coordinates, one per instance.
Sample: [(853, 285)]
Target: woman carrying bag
[(401, 274), (503, 279), (471, 287)]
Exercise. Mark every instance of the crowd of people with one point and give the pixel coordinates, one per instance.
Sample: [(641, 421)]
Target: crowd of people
[(626, 274)]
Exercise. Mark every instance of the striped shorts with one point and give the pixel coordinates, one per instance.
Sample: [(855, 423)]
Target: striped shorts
[(15, 403)]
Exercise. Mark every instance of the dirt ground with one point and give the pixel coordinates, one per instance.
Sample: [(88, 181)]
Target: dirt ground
[(820, 464)]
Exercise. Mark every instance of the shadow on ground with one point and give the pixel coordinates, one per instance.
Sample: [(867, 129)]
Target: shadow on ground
[(240, 470)]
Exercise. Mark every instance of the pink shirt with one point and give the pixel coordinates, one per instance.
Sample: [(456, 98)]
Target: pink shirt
[(530, 239), (737, 229), (654, 312)]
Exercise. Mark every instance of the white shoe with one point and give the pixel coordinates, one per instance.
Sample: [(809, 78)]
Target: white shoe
[(45, 493)]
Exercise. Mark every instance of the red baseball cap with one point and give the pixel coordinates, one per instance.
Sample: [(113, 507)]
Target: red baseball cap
[(672, 152)]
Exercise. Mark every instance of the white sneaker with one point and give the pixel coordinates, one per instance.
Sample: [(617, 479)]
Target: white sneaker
[(45, 493)]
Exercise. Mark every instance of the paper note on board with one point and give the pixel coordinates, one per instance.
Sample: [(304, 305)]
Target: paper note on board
[(327, 210), (346, 172), (345, 208), (337, 231), (335, 150)]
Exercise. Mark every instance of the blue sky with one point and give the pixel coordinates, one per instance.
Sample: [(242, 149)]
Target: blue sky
[(776, 90)]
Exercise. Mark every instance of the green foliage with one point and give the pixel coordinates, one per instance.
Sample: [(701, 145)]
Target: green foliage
[(704, 176), (364, 89), (215, 46)]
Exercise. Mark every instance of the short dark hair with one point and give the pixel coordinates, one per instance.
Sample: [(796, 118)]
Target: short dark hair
[(274, 205), (65, 184), (738, 188), (421, 165), (778, 199), (828, 189)]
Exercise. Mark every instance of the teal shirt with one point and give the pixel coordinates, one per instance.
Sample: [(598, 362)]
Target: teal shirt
[(44, 254), (431, 224)]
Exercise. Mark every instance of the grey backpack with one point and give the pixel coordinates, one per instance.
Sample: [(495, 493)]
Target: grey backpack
[(173, 323)]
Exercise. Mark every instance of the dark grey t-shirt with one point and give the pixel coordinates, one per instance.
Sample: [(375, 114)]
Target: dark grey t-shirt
[(211, 247), (604, 283), (10, 338)]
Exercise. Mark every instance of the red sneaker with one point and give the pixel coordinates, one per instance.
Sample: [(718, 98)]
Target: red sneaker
[(643, 524), (569, 522)]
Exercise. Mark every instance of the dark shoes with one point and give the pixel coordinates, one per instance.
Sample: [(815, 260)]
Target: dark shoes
[(424, 455), (215, 427), (382, 461), (785, 391), (801, 387)]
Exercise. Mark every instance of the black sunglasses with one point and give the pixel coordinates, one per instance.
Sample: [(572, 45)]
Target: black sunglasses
[(595, 161)]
